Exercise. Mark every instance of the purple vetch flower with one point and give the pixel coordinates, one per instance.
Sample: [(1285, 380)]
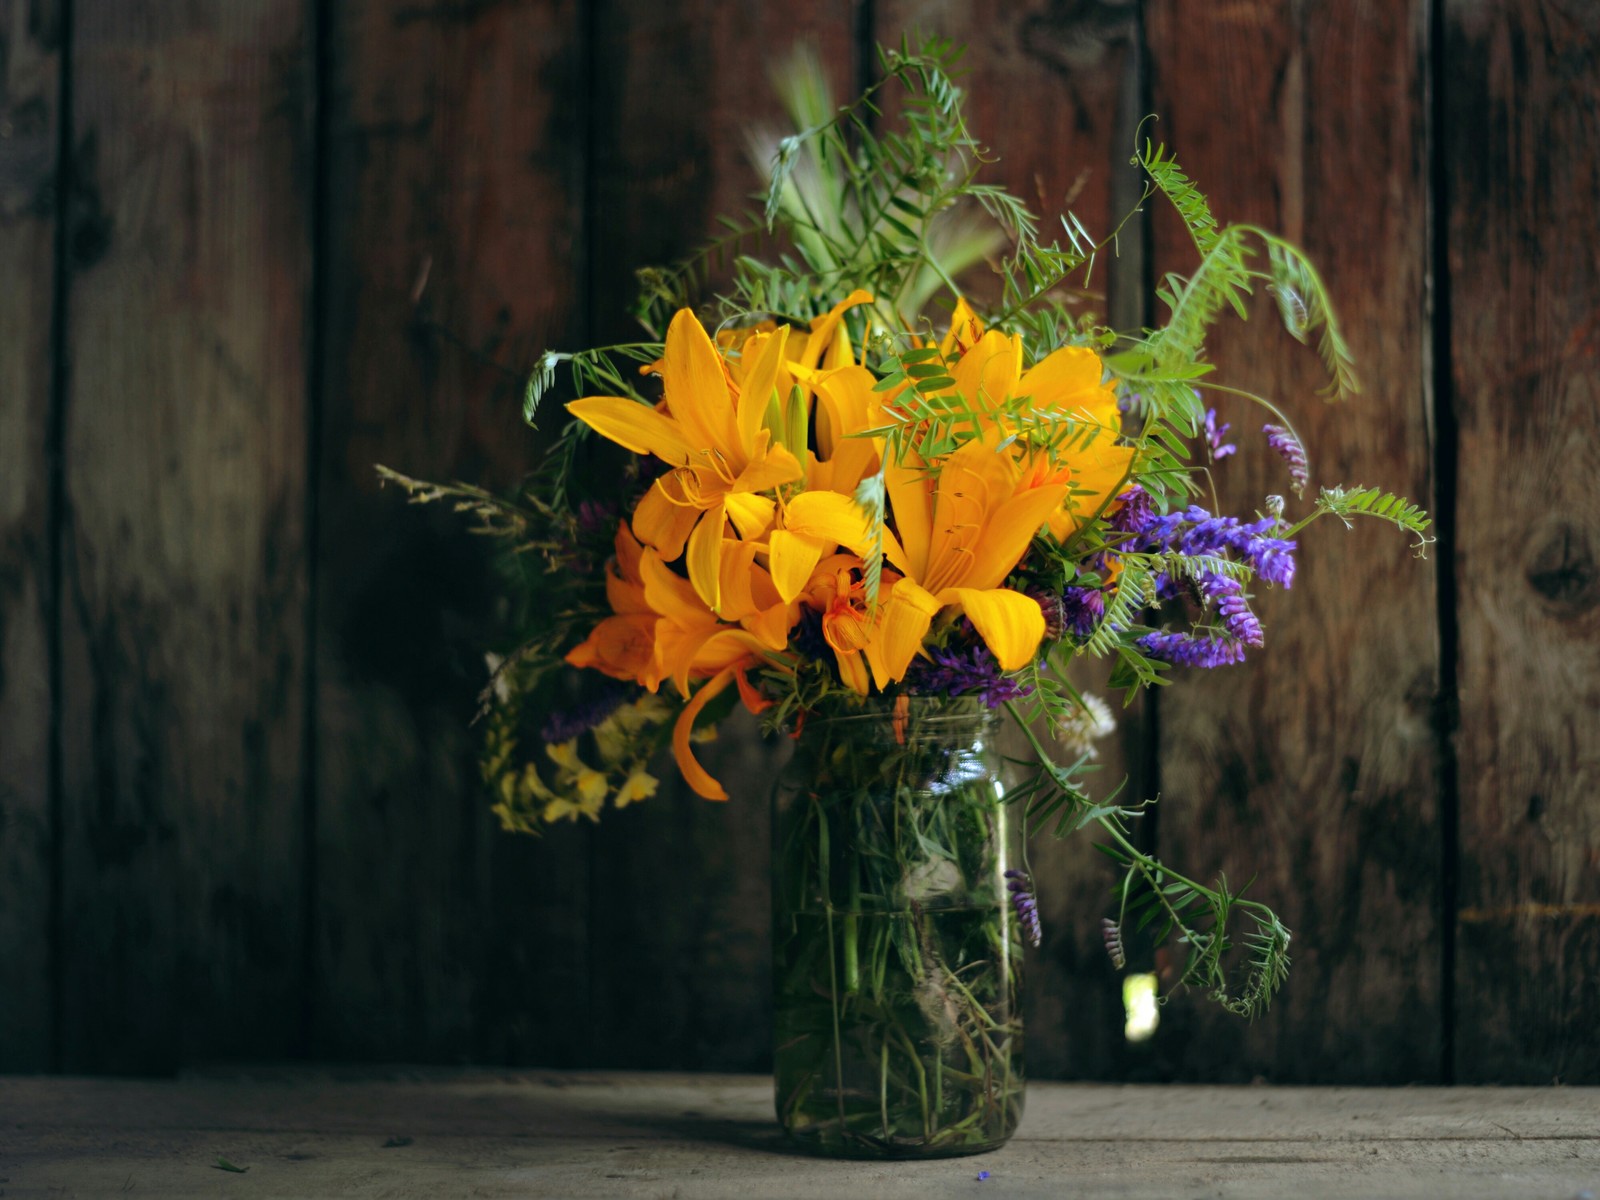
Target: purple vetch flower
[(1112, 932), (1082, 609), (595, 517), (566, 725), (958, 673), (1027, 907), (1289, 448), (1054, 610), (1228, 595), (1215, 434), (1136, 511), (1194, 532), (1192, 649)]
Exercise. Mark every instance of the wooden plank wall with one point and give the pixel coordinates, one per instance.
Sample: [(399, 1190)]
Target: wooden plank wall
[(30, 90), (253, 250), (1314, 765)]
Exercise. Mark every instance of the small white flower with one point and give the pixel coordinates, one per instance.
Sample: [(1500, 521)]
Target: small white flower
[(1086, 725)]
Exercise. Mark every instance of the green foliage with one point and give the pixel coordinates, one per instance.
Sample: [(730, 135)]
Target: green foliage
[(1346, 503)]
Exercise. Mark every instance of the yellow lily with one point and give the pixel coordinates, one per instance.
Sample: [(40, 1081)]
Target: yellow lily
[(960, 538), (711, 434), (987, 369)]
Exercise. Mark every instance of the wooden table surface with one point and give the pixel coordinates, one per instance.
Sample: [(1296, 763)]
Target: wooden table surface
[(404, 1133)]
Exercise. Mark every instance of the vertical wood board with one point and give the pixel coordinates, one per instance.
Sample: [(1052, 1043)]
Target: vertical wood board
[(454, 243), (30, 64), (184, 541), (1520, 140), (1313, 766)]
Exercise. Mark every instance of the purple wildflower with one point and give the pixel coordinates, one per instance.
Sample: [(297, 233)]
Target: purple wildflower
[(1195, 532), (1082, 609), (1112, 932), (1228, 595), (1289, 448), (1136, 511), (1054, 610), (595, 517), (564, 726), (1215, 434), (954, 673), (1027, 907), (1192, 650)]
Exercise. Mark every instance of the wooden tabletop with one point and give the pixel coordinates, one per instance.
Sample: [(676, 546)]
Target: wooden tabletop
[(429, 1133)]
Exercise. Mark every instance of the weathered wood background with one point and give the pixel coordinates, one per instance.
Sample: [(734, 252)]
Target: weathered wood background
[(250, 248)]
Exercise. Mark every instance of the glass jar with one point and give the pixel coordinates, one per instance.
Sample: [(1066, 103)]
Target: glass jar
[(896, 951)]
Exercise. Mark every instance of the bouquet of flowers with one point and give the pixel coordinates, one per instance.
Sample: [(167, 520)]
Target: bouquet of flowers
[(880, 511)]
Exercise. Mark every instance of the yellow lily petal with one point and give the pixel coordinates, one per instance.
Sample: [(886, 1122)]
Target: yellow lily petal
[(635, 426), (834, 519), (760, 379), (704, 558), (664, 518), (751, 514), (853, 670), (849, 404), (987, 374), (822, 327), (1096, 473), (622, 647), (965, 330), (1012, 624), (973, 483), (625, 597), (911, 497), (769, 467), (737, 569), (1011, 527), (627, 549), (770, 626), (694, 774), (696, 387), (906, 617), (791, 560), (671, 595), (1069, 381)]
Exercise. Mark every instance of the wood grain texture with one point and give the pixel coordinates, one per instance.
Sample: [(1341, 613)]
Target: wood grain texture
[(1313, 767), (455, 239), (30, 64), (416, 1135), (681, 920), (184, 553), (1521, 169), (1073, 72)]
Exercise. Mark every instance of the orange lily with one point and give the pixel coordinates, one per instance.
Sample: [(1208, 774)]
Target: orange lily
[(661, 629), (623, 645)]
